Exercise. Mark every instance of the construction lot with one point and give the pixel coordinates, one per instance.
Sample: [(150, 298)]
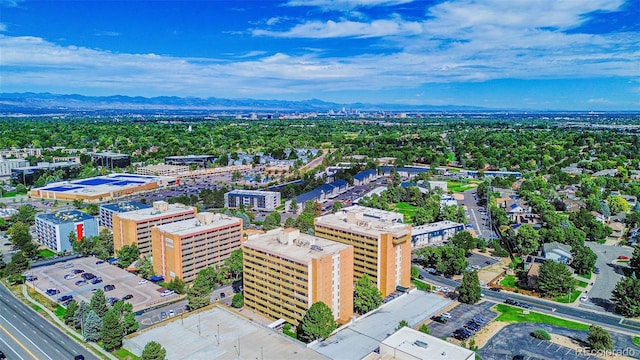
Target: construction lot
[(145, 295)]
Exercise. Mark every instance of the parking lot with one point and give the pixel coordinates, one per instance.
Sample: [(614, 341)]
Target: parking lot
[(460, 315), (145, 294)]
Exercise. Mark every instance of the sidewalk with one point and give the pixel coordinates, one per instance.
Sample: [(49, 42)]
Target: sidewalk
[(95, 346)]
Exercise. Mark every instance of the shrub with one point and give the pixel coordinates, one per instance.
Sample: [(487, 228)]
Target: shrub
[(541, 334)]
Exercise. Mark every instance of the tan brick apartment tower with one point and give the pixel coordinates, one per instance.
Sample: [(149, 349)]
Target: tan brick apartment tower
[(285, 272), (134, 227), (382, 244), (181, 249)]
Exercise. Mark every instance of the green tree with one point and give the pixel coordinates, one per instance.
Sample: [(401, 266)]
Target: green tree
[(17, 265), (79, 314), (178, 285), (402, 324), (415, 272), (128, 254), (199, 294), (92, 209), (366, 296), (238, 300), (103, 244), (452, 260), (234, 263), (618, 204), (584, 259), (599, 338), (153, 351), (555, 279), (424, 329), (317, 323), (70, 313), (527, 240), (98, 303), (469, 290), (463, 240), (78, 203), (272, 221), (112, 331), (634, 262), (92, 326), (293, 206), (127, 316), (145, 267), (337, 206), (626, 296)]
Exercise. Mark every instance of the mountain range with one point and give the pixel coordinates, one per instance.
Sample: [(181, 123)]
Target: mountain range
[(47, 103)]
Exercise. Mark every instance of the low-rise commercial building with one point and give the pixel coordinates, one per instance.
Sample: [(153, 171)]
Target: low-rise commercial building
[(410, 344), (382, 244), (163, 169), (434, 233), (28, 175), (53, 229), (105, 217), (134, 227), (199, 160), (6, 165), (285, 272), (252, 199), (111, 160), (183, 248)]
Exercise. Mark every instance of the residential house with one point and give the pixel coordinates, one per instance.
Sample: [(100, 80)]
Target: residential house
[(557, 252)]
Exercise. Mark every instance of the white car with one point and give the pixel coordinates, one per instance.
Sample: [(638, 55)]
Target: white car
[(446, 315), (166, 293), (584, 298), (70, 276), (143, 281)]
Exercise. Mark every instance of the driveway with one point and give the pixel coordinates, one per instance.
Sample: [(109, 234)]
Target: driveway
[(516, 339), (606, 281)]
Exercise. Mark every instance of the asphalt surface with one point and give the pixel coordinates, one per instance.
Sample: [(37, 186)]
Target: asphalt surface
[(606, 281), (601, 318), (516, 339), (476, 218), (459, 316), (25, 335)]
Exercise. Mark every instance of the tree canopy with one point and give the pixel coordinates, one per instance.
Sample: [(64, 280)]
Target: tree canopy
[(555, 279), (366, 295), (153, 351), (317, 323), (469, 291)]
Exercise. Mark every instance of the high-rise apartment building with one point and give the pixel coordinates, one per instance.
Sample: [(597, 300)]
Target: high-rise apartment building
[(105, 217), (183, 248), (382, 244), (285, 272), (134, 227)]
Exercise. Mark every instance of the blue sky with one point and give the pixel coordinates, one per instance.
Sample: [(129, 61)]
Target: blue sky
[(508, 54)]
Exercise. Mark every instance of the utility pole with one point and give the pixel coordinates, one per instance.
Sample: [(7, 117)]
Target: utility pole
[(218, 334)]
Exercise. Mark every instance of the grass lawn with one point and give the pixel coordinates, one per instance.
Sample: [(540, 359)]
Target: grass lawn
[(421, 285), (457, 186), (563, 299), (60, 312), (581, 283), (9, 194), (588, 276), (407, 210), (636, 340), (515, 315), (124, 354), (46, 253), (510, 281)]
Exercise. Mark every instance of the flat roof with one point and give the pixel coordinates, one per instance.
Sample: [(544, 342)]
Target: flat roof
[(189, 157), (379, 214), (423, 346), (150, 213), (303, 247), (190, 226), (368, 226), (48, 165), (125, 206), (104, 184), (365, 334), (440, 225), (251, 192), (62, 217)]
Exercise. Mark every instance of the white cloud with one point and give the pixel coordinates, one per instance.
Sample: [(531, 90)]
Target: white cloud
[(345, 4), (333, 29)]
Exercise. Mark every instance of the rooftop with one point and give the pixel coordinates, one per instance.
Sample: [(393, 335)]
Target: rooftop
[(124, 206), (204, 221), (251, 192), (440, 225), (104, 184), (159, 208), (418, 345), (291, 244), (63, 217), (366, 220)]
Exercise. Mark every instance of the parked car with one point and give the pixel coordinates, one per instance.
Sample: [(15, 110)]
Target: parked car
[(112, 300), (446, 315), (77, 271), (109, 287), (511, 302), (127, 297), (166, 293), (143, 281), (623, 257), (172, 313), (88, 276), (67, 266), (32, 278), (64, 298), (99, 262), (496, 289), (596, 271), (70, 276), (81, 282), (52, 291), (163, 315), (440, 319), (96, 280)]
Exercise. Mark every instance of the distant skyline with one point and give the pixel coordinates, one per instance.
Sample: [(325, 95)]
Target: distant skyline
[(501, 54)]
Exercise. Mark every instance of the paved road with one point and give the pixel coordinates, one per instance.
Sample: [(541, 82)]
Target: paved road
[(606, 281), (25, 335), (476, 218), (570, 312)]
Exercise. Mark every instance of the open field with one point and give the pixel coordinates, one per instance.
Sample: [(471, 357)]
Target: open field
[(518, 315)]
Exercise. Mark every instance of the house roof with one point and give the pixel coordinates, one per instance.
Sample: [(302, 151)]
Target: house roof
[(534, 270), (555, 246)]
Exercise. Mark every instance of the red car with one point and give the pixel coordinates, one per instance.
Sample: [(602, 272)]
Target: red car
[(623, 257)]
